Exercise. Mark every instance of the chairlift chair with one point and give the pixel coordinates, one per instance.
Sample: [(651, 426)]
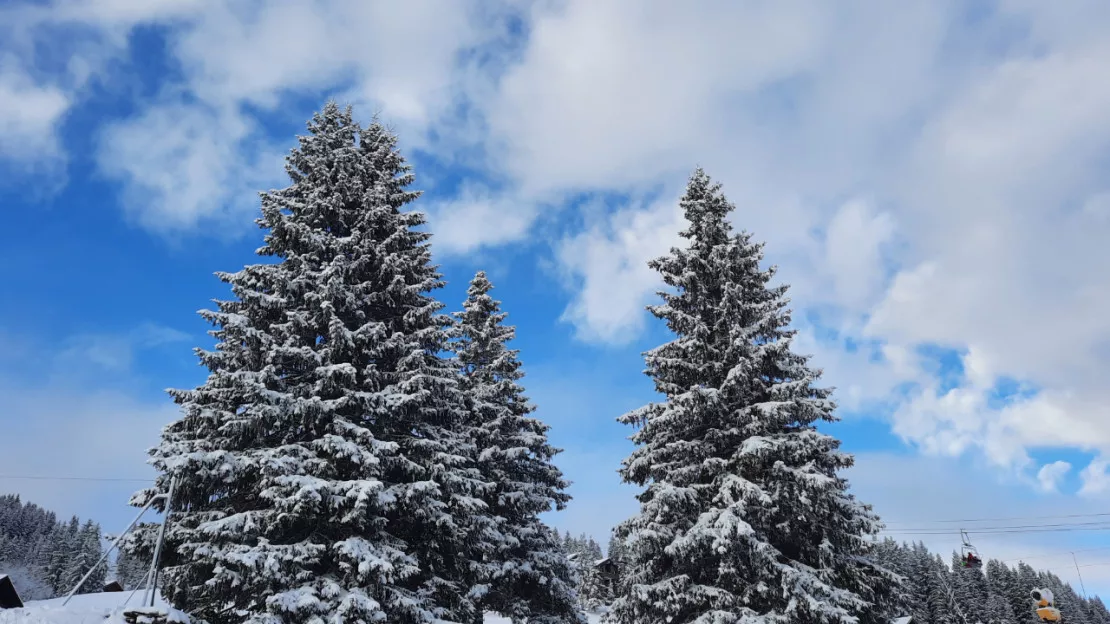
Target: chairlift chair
[(969, 554)]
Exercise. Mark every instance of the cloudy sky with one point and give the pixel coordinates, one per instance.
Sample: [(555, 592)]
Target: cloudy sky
[(929, 175)]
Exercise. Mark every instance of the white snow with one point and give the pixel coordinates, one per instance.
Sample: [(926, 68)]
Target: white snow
[(492, 618), (105, 608)]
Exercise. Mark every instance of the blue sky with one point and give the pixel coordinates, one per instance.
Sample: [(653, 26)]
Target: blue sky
[(930, 179)]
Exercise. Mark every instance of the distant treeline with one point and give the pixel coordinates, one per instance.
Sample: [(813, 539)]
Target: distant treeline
[(46, 557)]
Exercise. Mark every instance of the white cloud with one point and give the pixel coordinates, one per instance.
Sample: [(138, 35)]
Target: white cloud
[(477, 218), (181, 165), (607, 263), (1050, 475), (606, 96), (853, 262), (30, 116), (1095, 478)]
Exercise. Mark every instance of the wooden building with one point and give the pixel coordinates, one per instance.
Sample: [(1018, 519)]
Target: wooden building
[(9, 599)]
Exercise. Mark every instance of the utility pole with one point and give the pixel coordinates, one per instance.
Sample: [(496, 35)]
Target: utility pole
[(1080, 574)]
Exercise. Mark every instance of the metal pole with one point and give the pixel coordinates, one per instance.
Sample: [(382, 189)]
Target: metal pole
[(153, 580), (113, 547), (1076, 562), (146, 579)]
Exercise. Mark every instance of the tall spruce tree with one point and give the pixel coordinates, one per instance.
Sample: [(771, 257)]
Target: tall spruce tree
[(525, 574), (970, 587), (63, 545), (744, 516), (87, 550), (323, 470)]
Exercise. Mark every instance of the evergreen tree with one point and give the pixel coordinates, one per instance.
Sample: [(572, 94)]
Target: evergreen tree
[(1027, 579), (131, 570), (941, 600), (87, 550), (1072, 608), (919, 585), (525, 573), (616, 553), (323, 469), (63, 548), (1006, 582), (1098, 608), (970, 587), (897, 558), (998, 610), (743, 515), (594, 592)]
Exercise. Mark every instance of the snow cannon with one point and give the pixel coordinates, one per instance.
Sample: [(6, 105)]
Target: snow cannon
[(1044, 604)]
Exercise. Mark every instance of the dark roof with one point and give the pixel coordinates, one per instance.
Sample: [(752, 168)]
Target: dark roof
[(8, 598), (113, 586)]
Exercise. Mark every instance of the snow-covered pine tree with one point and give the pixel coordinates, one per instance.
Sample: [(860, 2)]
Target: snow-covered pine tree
[(63, 545), (87, 550), (8, 548), (744, 517), (998, 610), (525, 575), (970, 586), (897, 558), (593, 590), (616, 554), (1026, 579), (323, 473), (1004, 581), (1072, 607), (131, 570), (1098, 608)]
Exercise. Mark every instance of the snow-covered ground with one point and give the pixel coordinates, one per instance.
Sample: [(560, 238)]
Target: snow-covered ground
[(593, 618), (102, 608), (107, 608)]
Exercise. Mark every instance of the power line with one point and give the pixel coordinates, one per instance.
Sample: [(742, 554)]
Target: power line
[(987, 529), (968, 520), (1056, 554), (64, 478), (1100, 527)]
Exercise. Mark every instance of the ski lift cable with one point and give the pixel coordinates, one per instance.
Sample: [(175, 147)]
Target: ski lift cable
[(1101, 527), (966, 520), (1057, 553), (965, 532)]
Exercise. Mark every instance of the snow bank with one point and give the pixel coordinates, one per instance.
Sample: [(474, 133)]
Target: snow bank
[(102, 608)]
